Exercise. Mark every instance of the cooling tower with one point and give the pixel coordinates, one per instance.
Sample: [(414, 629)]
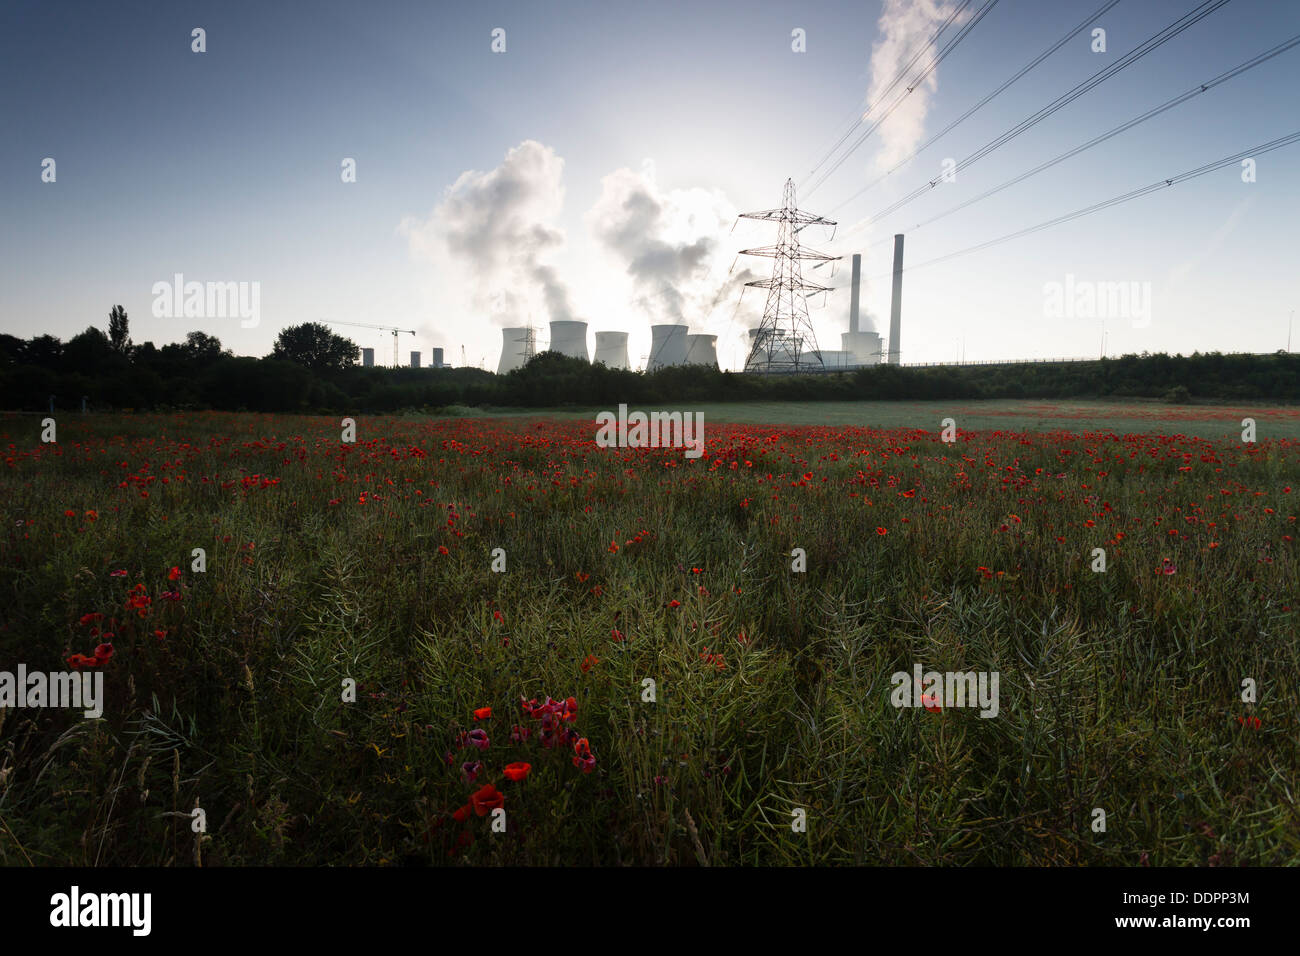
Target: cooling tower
[(514, 350), (611, 349), (863, 348), (415, 360), (368, 358), (569, 338), (896, 306), (667, 346), (702, 350), (437, 358)]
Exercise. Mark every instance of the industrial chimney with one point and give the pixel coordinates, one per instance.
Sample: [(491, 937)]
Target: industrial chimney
[(896, 306), (860, 346), (853, 296)]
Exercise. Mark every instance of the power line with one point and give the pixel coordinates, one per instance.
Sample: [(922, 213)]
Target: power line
[(1096, 140), (860, 116), (1092, 18), (1117, 200), (1165, 35), (916, 81)]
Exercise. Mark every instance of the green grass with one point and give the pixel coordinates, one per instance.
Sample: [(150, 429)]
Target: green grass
[(1119, 691), (1122, 417)]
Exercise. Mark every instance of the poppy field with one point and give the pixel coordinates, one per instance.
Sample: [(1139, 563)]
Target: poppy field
[(492, 642)]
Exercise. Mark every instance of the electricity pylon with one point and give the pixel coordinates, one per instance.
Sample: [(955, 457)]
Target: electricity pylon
[(785, 341)]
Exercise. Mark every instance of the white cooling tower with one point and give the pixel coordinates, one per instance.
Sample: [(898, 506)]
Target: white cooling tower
[(702, 350), (611, 349), (863, 347), (569, 338), (514, 350), (667, 346)]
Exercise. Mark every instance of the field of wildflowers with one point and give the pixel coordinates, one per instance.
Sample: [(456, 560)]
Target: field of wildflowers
[(384, 643)]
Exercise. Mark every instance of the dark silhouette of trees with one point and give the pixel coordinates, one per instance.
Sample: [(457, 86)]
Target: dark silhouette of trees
[(203, 349), (315, 347), (314, 370), (119, 330)]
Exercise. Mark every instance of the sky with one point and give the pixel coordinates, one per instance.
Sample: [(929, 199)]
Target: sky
[(595, 167)]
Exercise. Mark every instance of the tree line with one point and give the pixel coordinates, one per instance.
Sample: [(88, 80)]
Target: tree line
[(312, 369)]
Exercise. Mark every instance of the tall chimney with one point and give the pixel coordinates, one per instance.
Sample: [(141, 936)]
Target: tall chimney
[(853, 301), (896, 307)]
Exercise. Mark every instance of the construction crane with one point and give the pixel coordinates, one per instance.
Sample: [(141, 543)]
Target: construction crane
[(381, 328)]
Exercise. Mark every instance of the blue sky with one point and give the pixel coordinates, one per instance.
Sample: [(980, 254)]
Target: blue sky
[(478, 170)]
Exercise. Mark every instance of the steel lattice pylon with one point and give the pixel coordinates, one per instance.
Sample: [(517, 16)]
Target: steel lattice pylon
[(785, 341)]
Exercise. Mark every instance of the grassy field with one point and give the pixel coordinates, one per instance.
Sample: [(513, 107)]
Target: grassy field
[(1135, 416), (642, 673)]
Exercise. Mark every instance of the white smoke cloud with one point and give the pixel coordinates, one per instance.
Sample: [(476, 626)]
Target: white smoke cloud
[(490, 236), (903, 27), (671, 243)]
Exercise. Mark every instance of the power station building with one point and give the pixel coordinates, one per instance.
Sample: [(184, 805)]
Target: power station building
[(860, 345)]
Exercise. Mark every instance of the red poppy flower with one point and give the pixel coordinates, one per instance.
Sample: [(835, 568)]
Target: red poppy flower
[(483, 713), (486, 798), (882, 531), (517, 771), (173, 574)]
